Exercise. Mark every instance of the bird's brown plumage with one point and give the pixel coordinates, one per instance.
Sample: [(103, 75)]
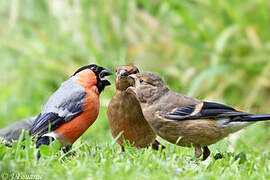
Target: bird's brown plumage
[(125, 115), (186, 121)]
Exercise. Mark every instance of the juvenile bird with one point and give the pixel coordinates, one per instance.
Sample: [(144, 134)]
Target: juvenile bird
[(125, 114), (72, 108), (187, 121)]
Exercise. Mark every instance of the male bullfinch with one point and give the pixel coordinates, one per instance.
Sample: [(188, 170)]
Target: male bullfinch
[(125, 114), (187, 121), (72, 108)]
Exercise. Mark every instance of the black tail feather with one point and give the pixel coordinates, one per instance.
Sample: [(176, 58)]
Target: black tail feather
[(253, 117)]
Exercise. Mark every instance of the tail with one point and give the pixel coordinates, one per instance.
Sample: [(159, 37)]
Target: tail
[(253, 117), (240, 122)]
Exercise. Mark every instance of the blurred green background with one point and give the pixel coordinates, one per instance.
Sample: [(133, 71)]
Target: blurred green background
[(210, 49)]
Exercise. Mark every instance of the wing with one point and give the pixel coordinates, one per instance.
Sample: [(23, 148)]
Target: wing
[(64, 105), (204, 110)]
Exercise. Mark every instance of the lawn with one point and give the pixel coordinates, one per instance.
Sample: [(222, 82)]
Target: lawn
[(210, 49)]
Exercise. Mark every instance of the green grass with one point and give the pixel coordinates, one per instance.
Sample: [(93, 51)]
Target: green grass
[(211, 49), (97, 160)]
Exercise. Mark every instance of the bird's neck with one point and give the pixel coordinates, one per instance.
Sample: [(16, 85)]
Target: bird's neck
[(121, 86), (87, 80), (152, 96)]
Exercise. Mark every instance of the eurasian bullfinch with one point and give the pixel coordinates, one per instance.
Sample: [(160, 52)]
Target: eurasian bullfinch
[(72, 108), (187, 121), (125, 115)]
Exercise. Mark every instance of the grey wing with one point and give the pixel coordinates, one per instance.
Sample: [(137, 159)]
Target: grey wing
[(64, 105)]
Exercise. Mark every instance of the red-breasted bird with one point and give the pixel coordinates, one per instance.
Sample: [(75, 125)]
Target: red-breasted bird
[(72, 108), (187, 121), (125, 115)]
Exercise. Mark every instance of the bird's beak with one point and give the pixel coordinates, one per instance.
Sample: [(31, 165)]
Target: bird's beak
[(121, 72), (131, 90), (133, 76), (102, 75)]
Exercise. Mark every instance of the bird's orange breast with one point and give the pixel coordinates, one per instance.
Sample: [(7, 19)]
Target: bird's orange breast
[(73, 129)]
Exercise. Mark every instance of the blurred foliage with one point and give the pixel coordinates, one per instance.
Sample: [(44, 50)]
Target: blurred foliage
[(211, 49)]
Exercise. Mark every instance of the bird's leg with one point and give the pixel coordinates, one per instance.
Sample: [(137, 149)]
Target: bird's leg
[(123, 149), (206, 152), (198, 150), (156, 145), (67, 148)]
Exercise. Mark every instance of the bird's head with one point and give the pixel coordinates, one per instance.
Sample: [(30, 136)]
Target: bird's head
[(99, 72), (123, 81), (148, 87)]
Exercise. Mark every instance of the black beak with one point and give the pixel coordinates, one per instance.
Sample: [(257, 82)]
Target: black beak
[(102, 76)]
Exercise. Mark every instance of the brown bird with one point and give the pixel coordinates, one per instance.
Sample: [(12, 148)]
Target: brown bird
[(187, 121), (125, 115)]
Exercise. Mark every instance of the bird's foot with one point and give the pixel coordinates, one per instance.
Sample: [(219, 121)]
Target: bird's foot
[(198, 151), (206, 153), (156, 145)]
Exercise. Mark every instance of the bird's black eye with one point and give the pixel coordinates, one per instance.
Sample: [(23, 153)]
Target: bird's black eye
[(141, 80)]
